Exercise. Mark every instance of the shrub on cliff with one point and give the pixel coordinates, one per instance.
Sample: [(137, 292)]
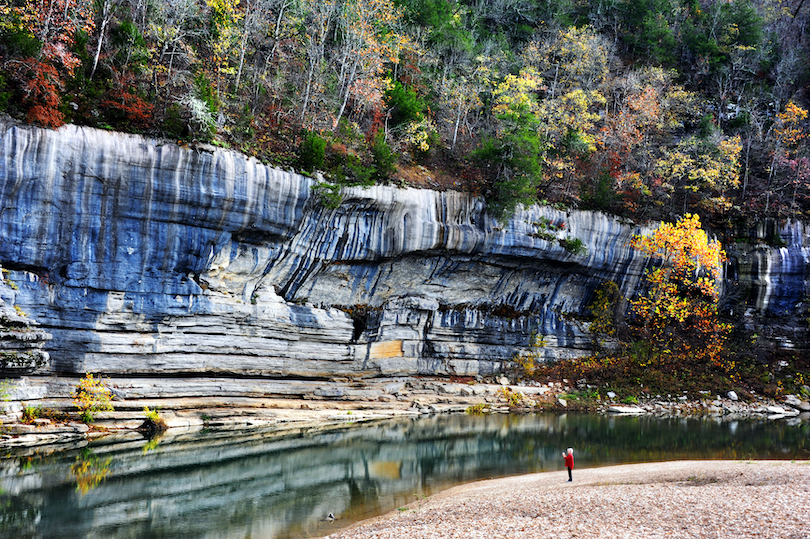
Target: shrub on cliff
[(311, 152), (92, 396)]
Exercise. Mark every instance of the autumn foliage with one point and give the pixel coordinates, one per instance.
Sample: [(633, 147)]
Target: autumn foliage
[(649, 109), (123, 103), (40, 84), (677, 314)]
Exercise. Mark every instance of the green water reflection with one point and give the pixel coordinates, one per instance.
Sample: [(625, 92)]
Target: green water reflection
[(263, 485)]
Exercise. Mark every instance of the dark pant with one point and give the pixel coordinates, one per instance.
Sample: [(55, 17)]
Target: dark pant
[(569, 475)]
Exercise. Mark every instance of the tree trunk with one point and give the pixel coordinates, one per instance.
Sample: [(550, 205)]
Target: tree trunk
[(346, 94), (105, 18), (243, 46)]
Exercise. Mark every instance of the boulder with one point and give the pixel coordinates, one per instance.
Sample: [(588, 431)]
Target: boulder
[(621, 409), (795, 402)]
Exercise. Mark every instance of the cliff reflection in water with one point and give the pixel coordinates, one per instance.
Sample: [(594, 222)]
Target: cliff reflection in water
[(262, 485)]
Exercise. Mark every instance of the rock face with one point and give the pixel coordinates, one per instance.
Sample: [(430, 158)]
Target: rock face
[(144, 257), (21, 341)]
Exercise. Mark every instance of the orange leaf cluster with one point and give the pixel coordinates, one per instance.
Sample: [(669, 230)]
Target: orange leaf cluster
[(40, 84), (133, 108), (679, 309)]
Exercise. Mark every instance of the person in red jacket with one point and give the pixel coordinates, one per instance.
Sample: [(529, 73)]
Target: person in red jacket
[(569, 462)]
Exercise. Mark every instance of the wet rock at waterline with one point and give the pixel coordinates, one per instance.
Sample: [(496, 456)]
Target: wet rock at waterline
[(142, 257)]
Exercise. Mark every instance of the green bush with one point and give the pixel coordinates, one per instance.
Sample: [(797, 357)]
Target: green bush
[(5, 94), (599, 195), (30, 413), (383, 158), (405, 105), (311, 152), (173, 124), (132, 50), (15, 40), (205, 92), (328, 194), (478, 409), (574, 246)]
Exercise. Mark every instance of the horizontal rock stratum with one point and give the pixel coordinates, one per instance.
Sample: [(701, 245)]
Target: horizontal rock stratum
[(144, 257)]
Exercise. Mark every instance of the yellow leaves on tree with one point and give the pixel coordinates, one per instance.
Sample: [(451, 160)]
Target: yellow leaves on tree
[(573, 58), (572, 64), (91, 396), (644, 105), (707, 168), (788, 128), (573, 114), (226, 17), (514, 95), (678, 312)]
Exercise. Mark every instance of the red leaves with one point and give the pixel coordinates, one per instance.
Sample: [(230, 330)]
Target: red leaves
[(40, 84), (122, 102)]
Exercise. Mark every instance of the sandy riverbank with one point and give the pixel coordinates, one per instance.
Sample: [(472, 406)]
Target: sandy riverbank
[(683, 499)]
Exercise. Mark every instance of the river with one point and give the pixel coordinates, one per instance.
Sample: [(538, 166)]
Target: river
[(263, 485)]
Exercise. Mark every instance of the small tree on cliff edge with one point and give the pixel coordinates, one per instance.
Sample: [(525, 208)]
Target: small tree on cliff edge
[(677, 316)]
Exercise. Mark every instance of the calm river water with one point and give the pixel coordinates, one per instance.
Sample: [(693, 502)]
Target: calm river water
[(263, 485)]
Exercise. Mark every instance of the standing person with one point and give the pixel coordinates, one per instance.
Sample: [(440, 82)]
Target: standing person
[(569, 462)]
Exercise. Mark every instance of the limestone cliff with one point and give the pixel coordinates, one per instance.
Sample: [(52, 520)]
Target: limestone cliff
[(21, 341), (144, 257)]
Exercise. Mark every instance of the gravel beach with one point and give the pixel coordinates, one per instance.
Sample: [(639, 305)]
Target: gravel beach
[(682, 499)]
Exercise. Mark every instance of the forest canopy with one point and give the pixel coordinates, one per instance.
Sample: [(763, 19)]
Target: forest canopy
[(645, 108)]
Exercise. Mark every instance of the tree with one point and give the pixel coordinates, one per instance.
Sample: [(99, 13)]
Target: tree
[(460, 96), (320, 18), (106, 10), (41, 78), (370, 39), (677, 314), (647, 31), (173, 24), (517, 151), (790, 156), (704, 169), (573, 58), (225, 20), (573, 64)]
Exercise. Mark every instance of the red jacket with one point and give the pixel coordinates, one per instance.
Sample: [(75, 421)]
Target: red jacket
[(569, 460)]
